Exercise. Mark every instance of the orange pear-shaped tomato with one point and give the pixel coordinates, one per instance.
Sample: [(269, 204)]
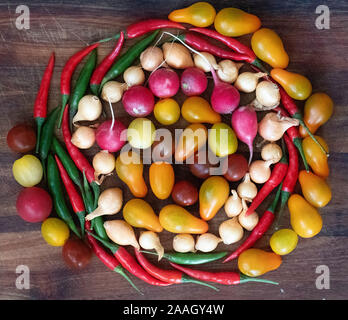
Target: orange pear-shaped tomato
[(315, 189), (192, 138), (296, 85), (129, 168), (233, 22), (268, 47), (138, 213), (304, 218), (317, 110), (213, 194), (176, 219), (255, 262), (161, 176), (200, 14), (198, 110)]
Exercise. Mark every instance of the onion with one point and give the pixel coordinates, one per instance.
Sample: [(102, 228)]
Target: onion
[(207, 242), (231, 231), (247, 81), (89, 109), (149, 240), (228, 70), (272, 152), (260, 171), (83, 137), (134, 76), (103, 164), (273, 126), (248, 222), (113, 91), (177, 56), (267, 94), (247, 189), (120, 232), (109, 202), (183, 243), (151, 58), (233, 205), (202, 63)]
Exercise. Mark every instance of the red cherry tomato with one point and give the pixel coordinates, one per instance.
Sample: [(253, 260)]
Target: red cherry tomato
[(34, 204), (184, 193), (200, 170), (21, 138), (76, 254), (237, 166)]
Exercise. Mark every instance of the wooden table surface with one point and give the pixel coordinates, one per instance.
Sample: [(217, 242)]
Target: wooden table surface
[(65, 27)]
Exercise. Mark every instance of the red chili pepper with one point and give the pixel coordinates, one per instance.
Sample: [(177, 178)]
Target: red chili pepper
[(259, 230), (137, 29), (170, 276), (223, 277), (40, 105), (105, 65)]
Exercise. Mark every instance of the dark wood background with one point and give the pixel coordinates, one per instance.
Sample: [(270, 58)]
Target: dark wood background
[(65, 27)]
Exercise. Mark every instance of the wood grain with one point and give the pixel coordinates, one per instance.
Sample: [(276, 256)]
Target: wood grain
[(67, 27)]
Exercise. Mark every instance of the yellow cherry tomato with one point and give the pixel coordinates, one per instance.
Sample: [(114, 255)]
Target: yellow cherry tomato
[(283, 241), (200, 14), (27, 170), (315, 189), (167, 111), (315, 157), (233, 22), (198, 110), (55, 232), (304, 218), (161, 176), (296, 85), (213, 194), (141, 133), (256, 262), (222, 140), (138, 213), (268, 47), (176, 219)]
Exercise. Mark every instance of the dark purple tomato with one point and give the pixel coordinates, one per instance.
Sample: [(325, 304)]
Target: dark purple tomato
[(200, 170), (163, 149), (76, 254), (237, 167), (184, 193), (21, 138)]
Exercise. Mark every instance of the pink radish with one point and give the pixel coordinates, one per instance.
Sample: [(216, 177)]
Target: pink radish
[(244, 123), (164, 83), (193, 82), (138, 101)]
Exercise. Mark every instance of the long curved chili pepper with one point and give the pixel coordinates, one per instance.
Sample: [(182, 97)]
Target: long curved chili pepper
[(129, 263), (82, 82), (40, 105), (223, 277), (128, 58), (170, 276), (55, 187), (260, 229), (105, 65), (190, 258), (138, 29), (278, 173), (74, 197), (106, 258)]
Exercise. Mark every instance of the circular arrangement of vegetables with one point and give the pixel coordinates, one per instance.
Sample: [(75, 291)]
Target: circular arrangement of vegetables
[(154, 70)]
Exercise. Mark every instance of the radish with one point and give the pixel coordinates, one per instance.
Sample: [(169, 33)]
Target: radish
[(244, 123), (138, 101), (164, 83), (193, 82)]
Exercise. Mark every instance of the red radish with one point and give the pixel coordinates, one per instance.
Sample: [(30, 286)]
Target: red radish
[(108, 135), (138, 101), (164, 83), (244, 123), (34, 204), (193, 82)]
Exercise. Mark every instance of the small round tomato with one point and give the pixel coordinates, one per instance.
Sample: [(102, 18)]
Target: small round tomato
[(283, 241), (236, 166), (184, 193), (21, 138), (55, 232), (222, 140), (27, 170), (141, 133), (76, 254), (167, 111)]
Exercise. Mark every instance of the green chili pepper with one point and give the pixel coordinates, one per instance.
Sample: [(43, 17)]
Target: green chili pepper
[(128, 58), (191, 258), (82, 82), (55, 187)]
